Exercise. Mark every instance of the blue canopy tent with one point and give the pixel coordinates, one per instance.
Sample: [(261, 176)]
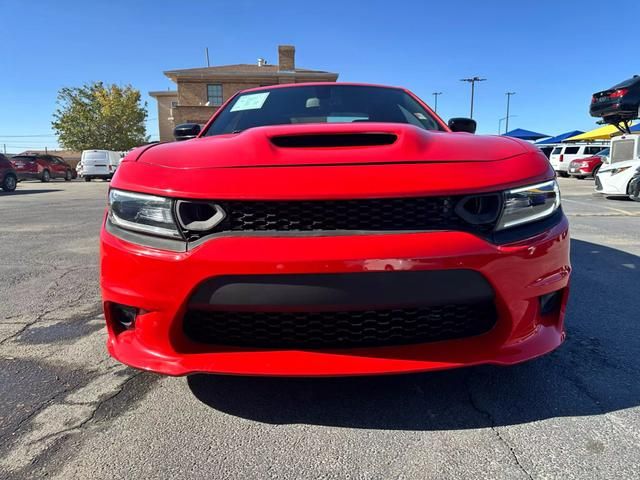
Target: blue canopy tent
[(525, 134), (559, 138)]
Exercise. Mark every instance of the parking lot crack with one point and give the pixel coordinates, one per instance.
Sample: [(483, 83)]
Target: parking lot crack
[(496, 431), (59, 417), (96, 407), (43, 314)]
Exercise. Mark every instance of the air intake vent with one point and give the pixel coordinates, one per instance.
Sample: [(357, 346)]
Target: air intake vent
[(334, 140)]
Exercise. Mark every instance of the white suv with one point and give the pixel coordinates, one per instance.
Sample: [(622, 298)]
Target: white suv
[(563, 155)]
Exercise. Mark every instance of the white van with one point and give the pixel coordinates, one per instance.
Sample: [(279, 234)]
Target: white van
[(98, 164), (563, 155), (620, 177)]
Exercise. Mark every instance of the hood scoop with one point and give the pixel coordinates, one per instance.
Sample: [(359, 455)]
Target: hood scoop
[(332, 140)]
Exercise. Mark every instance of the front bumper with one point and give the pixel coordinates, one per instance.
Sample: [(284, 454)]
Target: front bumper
[(580, 171), (160, 284)]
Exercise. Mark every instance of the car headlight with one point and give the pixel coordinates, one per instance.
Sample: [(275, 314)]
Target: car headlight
[(142, 213), (529, 204), (616, 171)]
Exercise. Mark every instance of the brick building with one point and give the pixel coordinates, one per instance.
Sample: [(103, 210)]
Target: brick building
[(201, 91)]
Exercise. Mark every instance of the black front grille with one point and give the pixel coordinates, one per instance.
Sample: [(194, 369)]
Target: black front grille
[(391, 214), (294, 330)]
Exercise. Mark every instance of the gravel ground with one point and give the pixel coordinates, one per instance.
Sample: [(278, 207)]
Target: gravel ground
[(68, 411)]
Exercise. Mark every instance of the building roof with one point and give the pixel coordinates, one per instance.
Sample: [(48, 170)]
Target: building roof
[(164, 93), (242, 69), (58, 153)]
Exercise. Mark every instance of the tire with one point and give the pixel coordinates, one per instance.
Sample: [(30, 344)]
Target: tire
[(634, 195), (46, 176), (68, 176), (580, 177), (9, 183), (87, 179), (563, 174)]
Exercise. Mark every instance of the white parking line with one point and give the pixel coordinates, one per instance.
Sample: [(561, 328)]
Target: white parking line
[(631, 214)]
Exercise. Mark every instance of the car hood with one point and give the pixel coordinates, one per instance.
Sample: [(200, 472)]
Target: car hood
[(616, 165), (329, 144)]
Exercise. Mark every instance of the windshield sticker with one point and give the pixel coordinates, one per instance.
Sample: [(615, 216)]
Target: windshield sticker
[(420, 116), (252, 101)]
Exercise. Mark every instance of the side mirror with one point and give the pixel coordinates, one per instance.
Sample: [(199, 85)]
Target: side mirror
[(461, 124), (186, 131)]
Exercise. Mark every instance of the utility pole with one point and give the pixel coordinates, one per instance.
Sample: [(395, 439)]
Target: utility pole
[(4, 147), (206, 54), (472, 81), (508, 94), (435, 101)]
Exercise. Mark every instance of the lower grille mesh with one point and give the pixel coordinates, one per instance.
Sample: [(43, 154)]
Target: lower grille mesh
[(339, 329)]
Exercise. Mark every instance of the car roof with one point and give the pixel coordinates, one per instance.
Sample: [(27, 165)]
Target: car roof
[(635, 80)]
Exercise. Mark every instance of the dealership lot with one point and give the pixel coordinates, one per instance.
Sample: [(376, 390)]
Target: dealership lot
[(67, 409)]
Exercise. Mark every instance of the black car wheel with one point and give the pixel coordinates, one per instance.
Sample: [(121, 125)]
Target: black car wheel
[(9, 183), (634, 189), (46, 176), (68, 176), (87, 179)]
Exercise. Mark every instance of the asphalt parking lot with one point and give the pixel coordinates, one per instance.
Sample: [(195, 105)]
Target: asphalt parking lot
[(67, 410)]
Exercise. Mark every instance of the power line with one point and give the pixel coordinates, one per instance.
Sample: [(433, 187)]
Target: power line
[(27, 136)]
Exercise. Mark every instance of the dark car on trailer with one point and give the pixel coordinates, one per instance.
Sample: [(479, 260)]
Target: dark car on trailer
[(8, 177), (618, 103), (41, 167)]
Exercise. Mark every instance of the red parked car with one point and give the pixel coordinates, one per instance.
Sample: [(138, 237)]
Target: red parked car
[(41, 167), (8, 177), (589, 166), (333, 229)]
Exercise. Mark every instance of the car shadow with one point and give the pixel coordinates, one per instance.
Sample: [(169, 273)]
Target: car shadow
[(27, 192), (594, 372)]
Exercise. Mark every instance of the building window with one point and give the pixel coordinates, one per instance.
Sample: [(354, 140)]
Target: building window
[(214, 95), (174, 104)]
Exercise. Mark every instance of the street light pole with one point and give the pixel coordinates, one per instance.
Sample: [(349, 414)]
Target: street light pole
[(500, 123), (435, 102), (508, 94), (472, 81)]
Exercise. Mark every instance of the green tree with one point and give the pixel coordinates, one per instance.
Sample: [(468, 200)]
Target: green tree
[(98, 116)]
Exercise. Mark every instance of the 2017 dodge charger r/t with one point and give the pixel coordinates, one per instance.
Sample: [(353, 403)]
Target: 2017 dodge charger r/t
[(333, 229)]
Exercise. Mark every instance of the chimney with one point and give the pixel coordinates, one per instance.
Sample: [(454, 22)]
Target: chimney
[(286, 58)]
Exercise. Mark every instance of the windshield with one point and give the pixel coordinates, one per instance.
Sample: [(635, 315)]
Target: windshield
[(321, 104)]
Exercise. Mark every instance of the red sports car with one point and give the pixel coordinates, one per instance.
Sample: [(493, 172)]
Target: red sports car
[(333, 229)]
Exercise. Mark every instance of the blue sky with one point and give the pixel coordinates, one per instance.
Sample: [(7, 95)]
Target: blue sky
[(554, 54)]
